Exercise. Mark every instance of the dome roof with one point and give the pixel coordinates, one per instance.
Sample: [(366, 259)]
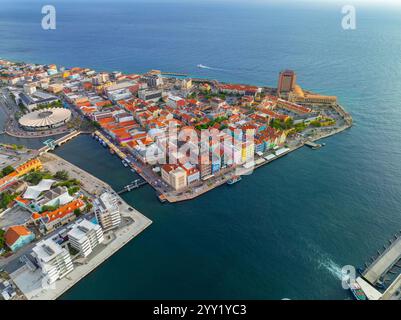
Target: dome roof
[(45, 117)]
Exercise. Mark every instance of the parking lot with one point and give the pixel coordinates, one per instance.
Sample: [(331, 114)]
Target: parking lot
[(14, 216)]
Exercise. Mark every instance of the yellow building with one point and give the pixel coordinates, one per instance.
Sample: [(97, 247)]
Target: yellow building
[(302, 97), (248, 151), (31, 165)]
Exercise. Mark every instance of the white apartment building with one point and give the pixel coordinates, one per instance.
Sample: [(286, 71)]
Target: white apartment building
[(107, 211), (85, 236), (54, 260)]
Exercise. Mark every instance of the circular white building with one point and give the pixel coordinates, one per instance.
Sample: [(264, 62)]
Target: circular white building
[(45, 119)]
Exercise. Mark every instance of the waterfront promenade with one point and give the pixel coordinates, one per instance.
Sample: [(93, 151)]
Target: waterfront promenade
[(30, 283), (202, 188)]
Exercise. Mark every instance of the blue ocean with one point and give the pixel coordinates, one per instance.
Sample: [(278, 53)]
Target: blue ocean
[(285, 231)]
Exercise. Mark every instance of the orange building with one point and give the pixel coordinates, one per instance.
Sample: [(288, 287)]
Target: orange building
[(51, 220)]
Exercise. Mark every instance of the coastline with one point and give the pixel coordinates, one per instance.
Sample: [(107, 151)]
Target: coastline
[(224, 181)]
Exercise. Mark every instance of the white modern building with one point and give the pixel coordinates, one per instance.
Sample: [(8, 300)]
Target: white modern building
[(107, 211), (85, 236), (54, 260)]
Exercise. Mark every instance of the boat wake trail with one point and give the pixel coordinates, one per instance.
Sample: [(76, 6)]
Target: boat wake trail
[(331, 267), (325, 262), (201, 66)]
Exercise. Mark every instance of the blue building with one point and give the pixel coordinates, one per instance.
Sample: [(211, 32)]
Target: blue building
[(17, 237)]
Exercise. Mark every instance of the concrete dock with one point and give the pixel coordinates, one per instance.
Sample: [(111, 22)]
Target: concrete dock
[(31, 282), (384, 262)]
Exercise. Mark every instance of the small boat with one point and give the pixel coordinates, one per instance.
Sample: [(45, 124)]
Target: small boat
[(201, 66), (162, 198), (124, 163), (357, 291), (234, 180), (112, 151)]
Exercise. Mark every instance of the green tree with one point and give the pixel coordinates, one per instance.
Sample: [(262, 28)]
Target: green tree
[(35, 177), (6, 198), (7, 170), (2, 240), (73, 190), (61, 175), (88, 207), (77, 212)]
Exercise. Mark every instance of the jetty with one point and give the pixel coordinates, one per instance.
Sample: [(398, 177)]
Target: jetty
[(133, 185), (384, 263), (382, 273), (176, 74), (313, 145)]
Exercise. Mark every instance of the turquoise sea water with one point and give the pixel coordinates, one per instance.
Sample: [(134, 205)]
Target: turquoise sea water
[(285, 231)]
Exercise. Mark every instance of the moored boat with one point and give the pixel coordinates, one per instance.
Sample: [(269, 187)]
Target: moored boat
[(357, 292), (234, 180)]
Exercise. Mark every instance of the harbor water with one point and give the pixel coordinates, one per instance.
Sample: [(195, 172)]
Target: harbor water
[(285, 231)]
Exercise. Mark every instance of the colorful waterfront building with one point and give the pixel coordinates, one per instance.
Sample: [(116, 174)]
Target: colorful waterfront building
[(248, 151), (175, 176), (31, 165), (50, 220), (17, 237)]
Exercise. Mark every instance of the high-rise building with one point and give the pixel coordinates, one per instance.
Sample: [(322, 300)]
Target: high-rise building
[(107, 211), (85, 236), (54, 260), (286, 82)]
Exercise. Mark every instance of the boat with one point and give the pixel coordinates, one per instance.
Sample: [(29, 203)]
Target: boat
[(234, 180), (112, 151), (162, 198), (201, 66), (357, 291), (124, 163)]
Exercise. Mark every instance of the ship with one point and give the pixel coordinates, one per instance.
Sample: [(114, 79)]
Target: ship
[(357, 291), (234, 180)]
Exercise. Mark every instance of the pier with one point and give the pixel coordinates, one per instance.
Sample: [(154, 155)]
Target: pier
[(313, 145), (380, 266), (133, 185), (177, 74)]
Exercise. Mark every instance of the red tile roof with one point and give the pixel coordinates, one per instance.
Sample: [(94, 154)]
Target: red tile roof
[(14, 233)]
